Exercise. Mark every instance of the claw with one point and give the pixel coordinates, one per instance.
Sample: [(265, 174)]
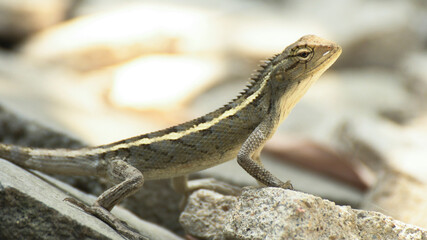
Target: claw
[(287, 185)]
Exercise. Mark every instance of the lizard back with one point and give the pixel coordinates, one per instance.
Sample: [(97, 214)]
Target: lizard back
[(205, 141)]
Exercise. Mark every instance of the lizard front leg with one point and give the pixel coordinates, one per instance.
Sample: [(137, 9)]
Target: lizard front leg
[(129, 180), (248, 156)]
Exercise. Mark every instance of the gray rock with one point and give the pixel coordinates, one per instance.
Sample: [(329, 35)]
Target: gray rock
[(32, 208), (274, 213), (206, 214)]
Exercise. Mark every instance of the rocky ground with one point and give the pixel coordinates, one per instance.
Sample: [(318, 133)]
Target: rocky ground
[(100, 71)]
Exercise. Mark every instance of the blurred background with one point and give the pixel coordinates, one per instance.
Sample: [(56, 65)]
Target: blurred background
[(105, 70)]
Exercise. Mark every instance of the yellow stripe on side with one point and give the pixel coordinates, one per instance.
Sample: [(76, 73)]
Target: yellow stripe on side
[(177, 135)]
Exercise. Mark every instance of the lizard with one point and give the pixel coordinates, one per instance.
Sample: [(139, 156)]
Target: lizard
[(239, 130)]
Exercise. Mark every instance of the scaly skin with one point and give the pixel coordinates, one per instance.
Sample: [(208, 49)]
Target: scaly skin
[(238, 129)]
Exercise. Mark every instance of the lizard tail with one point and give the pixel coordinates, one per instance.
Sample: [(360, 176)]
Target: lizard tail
[(58, 161)]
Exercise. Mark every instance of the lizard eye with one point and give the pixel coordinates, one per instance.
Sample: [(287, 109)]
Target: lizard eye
[(303, 54)]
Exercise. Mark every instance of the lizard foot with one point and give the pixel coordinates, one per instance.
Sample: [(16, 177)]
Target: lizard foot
[(106, 216), (287, 185)]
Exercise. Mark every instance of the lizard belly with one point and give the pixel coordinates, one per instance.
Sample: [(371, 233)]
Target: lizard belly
[(192, 165)]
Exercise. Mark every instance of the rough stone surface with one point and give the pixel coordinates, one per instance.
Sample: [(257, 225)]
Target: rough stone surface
[(32, 208), (273, 213), (210, 206)]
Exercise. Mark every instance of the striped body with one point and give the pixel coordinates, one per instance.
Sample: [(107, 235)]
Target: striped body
[(206, 141)]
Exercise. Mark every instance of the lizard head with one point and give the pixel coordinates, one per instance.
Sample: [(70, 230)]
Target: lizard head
[(294, 70), (306, 59)]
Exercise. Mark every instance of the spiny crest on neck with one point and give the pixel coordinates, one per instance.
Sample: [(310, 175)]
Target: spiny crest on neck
[(256, 79)]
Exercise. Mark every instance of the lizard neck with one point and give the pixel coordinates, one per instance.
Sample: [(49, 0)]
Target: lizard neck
[(287, 101)]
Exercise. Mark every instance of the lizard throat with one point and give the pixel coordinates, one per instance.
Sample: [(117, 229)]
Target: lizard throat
[(294, 94)]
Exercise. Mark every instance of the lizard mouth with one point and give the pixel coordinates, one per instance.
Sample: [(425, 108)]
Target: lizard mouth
[(333, 53)]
